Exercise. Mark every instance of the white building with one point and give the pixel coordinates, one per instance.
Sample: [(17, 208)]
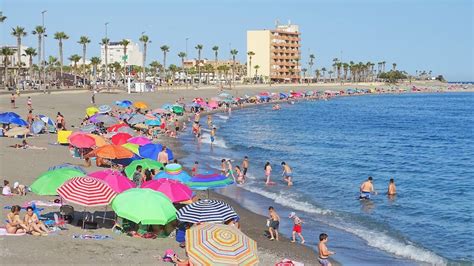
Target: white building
[(13, 60), (115, 53)]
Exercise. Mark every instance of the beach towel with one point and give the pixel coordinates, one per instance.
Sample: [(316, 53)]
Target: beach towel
[(94, 237), (3, 232), (288, 262), (43, 203)]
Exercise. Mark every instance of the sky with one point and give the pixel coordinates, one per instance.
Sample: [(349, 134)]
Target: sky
[(434, 35)]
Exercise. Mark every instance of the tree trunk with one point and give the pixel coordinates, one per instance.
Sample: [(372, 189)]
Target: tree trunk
[(106, 81), (84, 64), (61, 60), (143, 63), (17, 76), (250, 69)]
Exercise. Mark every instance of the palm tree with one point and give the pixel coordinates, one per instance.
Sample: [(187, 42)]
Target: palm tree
[(324, 73), (165, 49), (182, 55), (52, 63), (233, 52), (311, 62), (125, 43), (216, 53), (84, 40), (95, 61), (60, 36), (40, 31), (338, 68), (18, 32), (383, 66), (304, 74), (394, 66), (199, 48), (105, 43), (250, 54), (256, 71), (6, 53), (2, 17), (145, 40), (74, 58), (334, 60), (330, 72), (318, 74), (345, 67), (155, 65), (173, 69), (30, 52)]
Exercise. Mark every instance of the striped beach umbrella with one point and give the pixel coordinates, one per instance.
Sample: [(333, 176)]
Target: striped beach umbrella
[(87, 191), (173, 171), (104, 109), (217, 244), (209, 181), (210, 211)]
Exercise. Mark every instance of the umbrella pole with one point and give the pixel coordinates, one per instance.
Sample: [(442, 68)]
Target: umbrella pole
[(105, 213), (207, 193), (83, 219)]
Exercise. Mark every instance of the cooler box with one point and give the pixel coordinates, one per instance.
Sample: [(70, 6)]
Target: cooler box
[(63, 136)]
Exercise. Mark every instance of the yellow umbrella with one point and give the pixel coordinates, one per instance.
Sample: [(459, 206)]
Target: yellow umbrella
[(90, 111), (141, 105), (99, 140)]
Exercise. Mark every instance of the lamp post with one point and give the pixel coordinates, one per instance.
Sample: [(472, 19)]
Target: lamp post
[(42, 63), (106, 56)]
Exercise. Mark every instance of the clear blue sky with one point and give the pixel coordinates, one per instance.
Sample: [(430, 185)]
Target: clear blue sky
[(427, 35)]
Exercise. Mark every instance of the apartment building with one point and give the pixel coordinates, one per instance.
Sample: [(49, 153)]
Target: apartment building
[(115, 53)]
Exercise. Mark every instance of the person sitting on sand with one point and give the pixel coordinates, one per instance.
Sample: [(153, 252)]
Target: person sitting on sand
[(366, 189), (7, 190), (14, 224), (287, 173), (323, 252), (19, 189), (392, 189), (25, 145), (268, 172), (35, 226), (274, 223)]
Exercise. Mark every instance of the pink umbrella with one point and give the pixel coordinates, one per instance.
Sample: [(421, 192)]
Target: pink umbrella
[(114, 179), (213, 104), (139, 140), (173, 189), (82, 141)]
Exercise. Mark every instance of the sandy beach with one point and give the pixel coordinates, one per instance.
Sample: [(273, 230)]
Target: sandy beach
[(60, 248)]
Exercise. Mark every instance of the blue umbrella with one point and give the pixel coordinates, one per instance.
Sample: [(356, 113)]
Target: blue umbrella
[(18, 121), (126, 161), (88, 128), (283, 95), (136, 119), (151, 151), (47, 120), (124, 103), (104, 109), (7, 117), (167, 106), (152, 122), (37, 126)]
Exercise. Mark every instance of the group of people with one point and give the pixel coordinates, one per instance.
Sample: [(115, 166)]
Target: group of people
[(18, 189), (367, 189), (240, 175), (29, 224), (287, 173)]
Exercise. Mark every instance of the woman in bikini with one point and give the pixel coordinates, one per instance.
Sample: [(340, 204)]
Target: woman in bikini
[(268, 172), (15, 225), (34, 225)]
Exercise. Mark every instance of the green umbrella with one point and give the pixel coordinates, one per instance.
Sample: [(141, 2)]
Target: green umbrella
[(178, 109), (145, 163), (47, 183), (145, 206), (131, 147)]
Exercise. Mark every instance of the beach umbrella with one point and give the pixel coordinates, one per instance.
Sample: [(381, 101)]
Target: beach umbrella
[(174, 171), (104, 109), (124, 104), (87, 191), (145, 206), (18, 121), (114, 128), (131, 147), (167, 106), (7, 117), (213, 104), (93, 119), (88, 128), (107, 120), (195, 105), (37, 127), (47, 183), (81, 141), (140, 126), (151, 151), (152, 122), (136, 119), (225, 95), (90, 111), (68, 166), (159, 111), (120, 138), (198, 100), (209, 181), (118, 182), (139, 140), (17, 131), (150, 116), (178, 109), (99, 140), (218, 244), (144, 163), (47, 120), (206, 211), (140, 105), (127, 130), (112, 151), (174, 190), (124, 116)]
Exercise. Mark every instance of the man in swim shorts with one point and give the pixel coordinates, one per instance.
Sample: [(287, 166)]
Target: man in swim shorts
[(213, 135), (366, 189), (245, 166), (323, 252), (274, 223), (287, 173)]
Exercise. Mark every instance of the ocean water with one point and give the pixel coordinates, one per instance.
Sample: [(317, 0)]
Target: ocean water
[(424, 141)]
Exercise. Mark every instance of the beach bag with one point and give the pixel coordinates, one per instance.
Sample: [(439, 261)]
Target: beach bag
[(268, 222)]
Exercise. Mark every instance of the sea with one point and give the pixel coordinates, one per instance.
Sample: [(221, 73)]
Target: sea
[(424, 141)]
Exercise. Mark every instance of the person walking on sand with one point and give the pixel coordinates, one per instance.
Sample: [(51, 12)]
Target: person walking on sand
[(297, 222), (245, 166), (274, 223), (366, 189), (12, 100), (323, 252), (287, 173), (29, 104), (163, 156), (195, 168), (268, 172), (392, 189)]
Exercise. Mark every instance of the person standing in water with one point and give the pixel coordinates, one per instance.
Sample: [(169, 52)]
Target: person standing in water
[(323, 252), (268, 172), (287, 173), (392, 189), (366, 189), (223, 167), (209, 121), (245, 166), (213, 135)]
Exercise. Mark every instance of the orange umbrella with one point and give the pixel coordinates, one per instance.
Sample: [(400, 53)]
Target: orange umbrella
[(113, 152), (140, 105), (99, 140)]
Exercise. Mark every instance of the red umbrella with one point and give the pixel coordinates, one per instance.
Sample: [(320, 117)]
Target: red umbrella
[(115, 127), (87, 191), (120, 138), (82, 141)]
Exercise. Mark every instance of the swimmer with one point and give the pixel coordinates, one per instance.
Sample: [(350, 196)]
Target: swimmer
[(287, 173), (366, 189), (392, 189), (213, 135)]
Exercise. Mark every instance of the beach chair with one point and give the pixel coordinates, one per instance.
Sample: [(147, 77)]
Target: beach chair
[(67, 213)]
